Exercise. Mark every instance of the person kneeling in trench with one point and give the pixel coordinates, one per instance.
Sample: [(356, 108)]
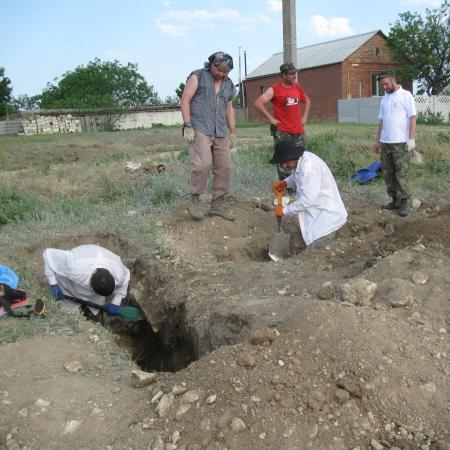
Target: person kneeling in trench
[(87, 272), (317, 203)]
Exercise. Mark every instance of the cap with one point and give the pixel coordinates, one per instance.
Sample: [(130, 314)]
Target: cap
[(387, 74), (286, 151), (288, 67)]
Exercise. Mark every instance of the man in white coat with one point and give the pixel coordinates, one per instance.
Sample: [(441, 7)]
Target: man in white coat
[(318, 203), (88, 272)]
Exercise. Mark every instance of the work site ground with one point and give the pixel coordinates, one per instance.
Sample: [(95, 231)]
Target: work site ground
[(339, 348)]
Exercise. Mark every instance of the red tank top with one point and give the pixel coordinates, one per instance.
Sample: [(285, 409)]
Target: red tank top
[(286, 104)]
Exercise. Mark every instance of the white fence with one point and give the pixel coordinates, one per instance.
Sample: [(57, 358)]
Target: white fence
[(365, 110), (434, 104)]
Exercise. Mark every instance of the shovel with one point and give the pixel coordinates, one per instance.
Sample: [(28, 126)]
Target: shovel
[(280, 242), (126, 313)]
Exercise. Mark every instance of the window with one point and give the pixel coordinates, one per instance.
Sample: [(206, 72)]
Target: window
[(261, 89), (375, 85), (377, 52)]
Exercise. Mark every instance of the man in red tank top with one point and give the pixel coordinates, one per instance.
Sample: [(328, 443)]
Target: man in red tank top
[(287, 122)]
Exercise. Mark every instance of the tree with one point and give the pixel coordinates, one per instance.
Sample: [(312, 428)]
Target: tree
[(175, 99), (5, 93), (179, 90), (26, 103), (424, 43), (99, 85)]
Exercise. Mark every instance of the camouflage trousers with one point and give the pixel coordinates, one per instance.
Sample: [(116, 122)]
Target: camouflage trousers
[(395, 160), (297, 139)]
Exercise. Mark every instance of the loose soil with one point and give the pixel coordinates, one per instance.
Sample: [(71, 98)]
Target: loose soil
[(251, 353)]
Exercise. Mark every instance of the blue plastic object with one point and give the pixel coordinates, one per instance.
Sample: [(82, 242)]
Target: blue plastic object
[(112, 310), (57, 292), (368, 173), (8, 277)]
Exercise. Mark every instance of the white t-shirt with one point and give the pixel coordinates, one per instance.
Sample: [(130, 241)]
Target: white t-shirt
[(395, 111)]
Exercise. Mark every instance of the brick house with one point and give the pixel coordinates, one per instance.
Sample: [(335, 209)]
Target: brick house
[(343, 68)]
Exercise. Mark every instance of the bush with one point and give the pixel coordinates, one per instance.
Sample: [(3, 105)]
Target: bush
[(429, 118)]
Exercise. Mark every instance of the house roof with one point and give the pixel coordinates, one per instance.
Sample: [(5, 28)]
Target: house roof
[(331, 52)]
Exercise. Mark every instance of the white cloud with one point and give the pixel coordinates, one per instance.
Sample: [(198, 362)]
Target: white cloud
[(430, 3), (203, 15), (179, 23), (275, 5), (177, 31), (337, 26)]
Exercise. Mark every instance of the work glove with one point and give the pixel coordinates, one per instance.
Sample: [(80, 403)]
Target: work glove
[(56, 292), (411, 145), (112, 310), (278, 211), (279, 187), (188, 132), (233, 141)]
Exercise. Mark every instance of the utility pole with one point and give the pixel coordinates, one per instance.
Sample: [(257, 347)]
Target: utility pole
[(243, 83), (240, 79), (289, 32)]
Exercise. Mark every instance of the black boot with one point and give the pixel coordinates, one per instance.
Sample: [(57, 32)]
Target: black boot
[(403, 208), (395, 204)]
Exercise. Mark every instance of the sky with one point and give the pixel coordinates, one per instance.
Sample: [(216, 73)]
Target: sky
[(40, 40)]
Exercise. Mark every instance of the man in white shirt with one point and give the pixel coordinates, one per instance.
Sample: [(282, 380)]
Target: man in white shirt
[(317, 203), (88, 272), (396, 140)]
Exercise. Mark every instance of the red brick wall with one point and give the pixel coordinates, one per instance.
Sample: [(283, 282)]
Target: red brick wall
[(327, 84), (358, 68)]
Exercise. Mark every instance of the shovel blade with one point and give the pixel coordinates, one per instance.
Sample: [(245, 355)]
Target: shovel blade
[(279, 246)]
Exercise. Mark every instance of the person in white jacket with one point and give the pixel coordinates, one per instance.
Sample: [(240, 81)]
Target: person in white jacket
[(88, 272), (317, 203)]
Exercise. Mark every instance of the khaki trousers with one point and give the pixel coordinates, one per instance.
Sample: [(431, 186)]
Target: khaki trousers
[(208, 153)]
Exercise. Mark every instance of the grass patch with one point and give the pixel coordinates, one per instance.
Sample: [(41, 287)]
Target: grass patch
[(16, 206)]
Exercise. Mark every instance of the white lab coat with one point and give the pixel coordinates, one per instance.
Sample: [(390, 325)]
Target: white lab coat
[(72, 270), (318, 204)]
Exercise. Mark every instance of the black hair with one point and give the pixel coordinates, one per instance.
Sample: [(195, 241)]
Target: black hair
[(102, 282)]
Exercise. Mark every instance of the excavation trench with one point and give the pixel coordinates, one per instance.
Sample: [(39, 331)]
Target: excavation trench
[(168, 350), (169, 339)]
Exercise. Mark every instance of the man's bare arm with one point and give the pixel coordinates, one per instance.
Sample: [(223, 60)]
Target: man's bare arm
[(189, 91), (260, 103), (306, 109), (231, 117)]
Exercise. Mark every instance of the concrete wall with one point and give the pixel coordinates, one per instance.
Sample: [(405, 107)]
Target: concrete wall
[(48, 122), (148, 118), (365, 110)]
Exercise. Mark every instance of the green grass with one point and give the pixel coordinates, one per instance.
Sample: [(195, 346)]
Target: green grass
[(58, 187)]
